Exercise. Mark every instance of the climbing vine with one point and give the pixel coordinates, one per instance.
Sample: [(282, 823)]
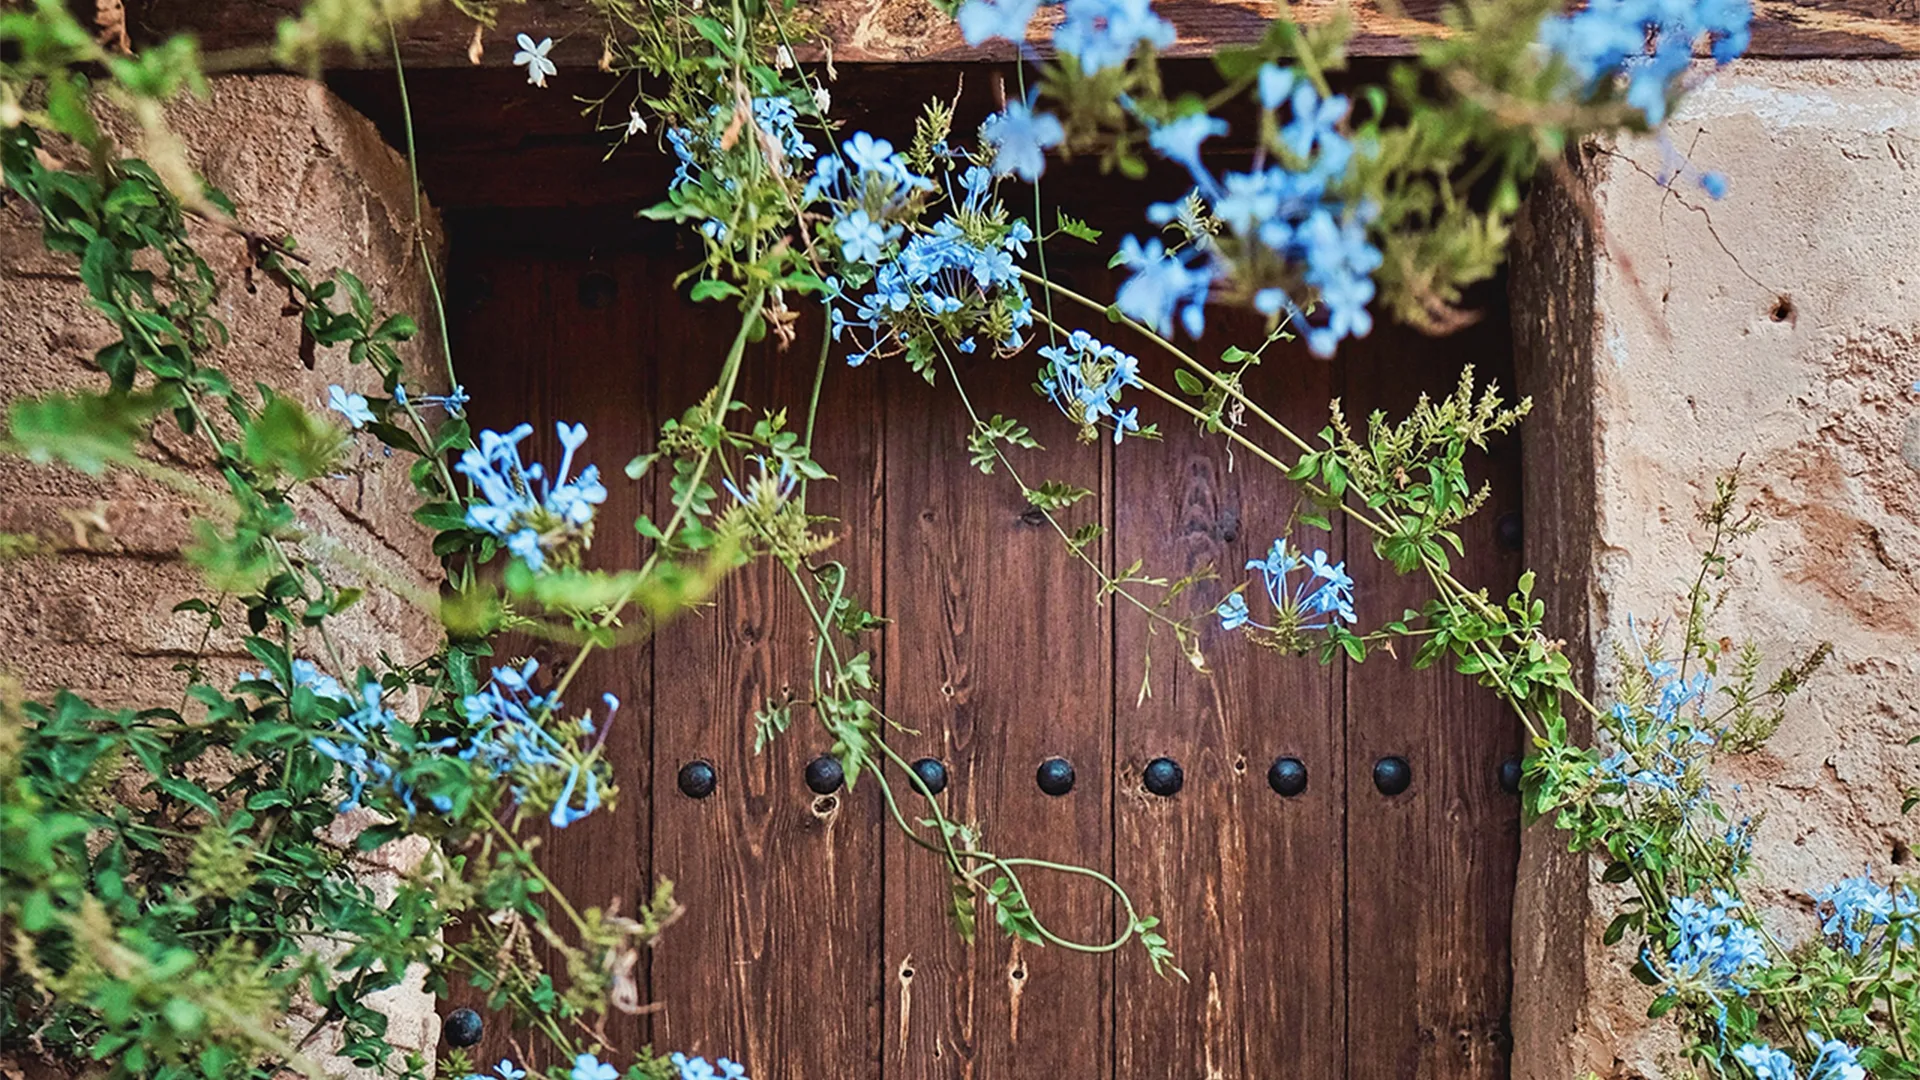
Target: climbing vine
[(177, 931)]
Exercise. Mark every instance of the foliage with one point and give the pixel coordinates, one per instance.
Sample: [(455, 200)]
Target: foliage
[(179, 874)]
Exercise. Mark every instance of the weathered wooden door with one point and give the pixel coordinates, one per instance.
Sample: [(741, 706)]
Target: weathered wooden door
[(1336, 931)]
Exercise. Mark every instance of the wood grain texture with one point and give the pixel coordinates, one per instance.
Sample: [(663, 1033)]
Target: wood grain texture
[(914, 31), (1430, 872), (1251, 885), (533, 344), (777, 961), (1001, 659)]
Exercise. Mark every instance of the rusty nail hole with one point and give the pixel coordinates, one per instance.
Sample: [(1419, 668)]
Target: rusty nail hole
[(1035, 517), (825, 805), (1782, 310), (906, 970), (1019, 973), (946, 688), (1240, 763)]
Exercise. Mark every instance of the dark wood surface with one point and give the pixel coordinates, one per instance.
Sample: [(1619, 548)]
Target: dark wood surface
[(1001, 659), (1340, 933), (1430, 872), (914, 31), (1251, 884), (776, 962), (521, 326)]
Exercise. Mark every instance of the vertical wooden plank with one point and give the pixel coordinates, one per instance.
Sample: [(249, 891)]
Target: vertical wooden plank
[(545, 339), (1430, 871), (776, 963), (1000, 659), (1251, 884)]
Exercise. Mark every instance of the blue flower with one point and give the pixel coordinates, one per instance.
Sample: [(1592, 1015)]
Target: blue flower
[(351, 406), (983, 20), (373, 746), (1647, 42), (588, 1067), (861, 237), (1275, 84), (1085, 378), (1102, 34), (1324, 589), (507, 1071), (1836, 1061), (1853, 907), (696, 1068), (1233, 612), (1713, 949), (1714, 184), (509, 741), (1766, 1062), (1179, 141), (1020, 139), (1162, 284), (518, 505)]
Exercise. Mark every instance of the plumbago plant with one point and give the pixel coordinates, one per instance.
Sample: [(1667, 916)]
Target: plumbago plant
[(169, 872)]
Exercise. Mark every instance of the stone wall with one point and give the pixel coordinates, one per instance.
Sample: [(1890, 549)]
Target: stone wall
[(97, 616), (1777, 329)]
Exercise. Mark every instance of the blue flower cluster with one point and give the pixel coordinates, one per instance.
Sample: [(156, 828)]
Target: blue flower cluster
[(516, 503), (510, 741), (1098, 35), (1021, 138), (697, 1068), (1288, 231), (370, 745), (708, 155), (1852, 908), (1324, 591), (1715, 949), (1659, 757), (1084, 378), (955, 281), (1648, 42), (455, 403), (1833, 1060)]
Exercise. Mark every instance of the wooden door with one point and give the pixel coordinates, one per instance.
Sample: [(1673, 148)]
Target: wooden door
[(1336, 932)]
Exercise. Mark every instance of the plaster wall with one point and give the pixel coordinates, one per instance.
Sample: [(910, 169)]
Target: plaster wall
[(1777, 329), (97, 614)]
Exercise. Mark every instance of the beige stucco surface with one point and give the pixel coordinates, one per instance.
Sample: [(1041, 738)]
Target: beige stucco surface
[(1777, 329), (97, 616)]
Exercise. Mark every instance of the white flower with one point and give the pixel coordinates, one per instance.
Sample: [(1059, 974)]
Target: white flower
[(822, 100), (635, 124), (351, 406), (783, 58), (535, 58)]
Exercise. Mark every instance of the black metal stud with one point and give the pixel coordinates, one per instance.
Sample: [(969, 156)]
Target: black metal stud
[(931, 774), (1510, 530), (463, 1027), (1288, 776), (1055, 776), (1510, 776), (1392, 775), (824, 775), (697, 779), (1163, 777)]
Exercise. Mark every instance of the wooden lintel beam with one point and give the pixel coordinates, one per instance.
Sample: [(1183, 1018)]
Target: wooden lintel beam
[(914, 31)]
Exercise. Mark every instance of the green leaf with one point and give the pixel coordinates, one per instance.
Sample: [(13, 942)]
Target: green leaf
[(87, 431), (289, 439), (1076, 228), (1189, 382)]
